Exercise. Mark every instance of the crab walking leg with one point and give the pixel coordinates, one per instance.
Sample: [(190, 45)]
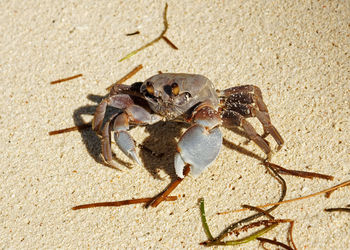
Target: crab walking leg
[(232, 118), (106, 142), (137, 115), (241, 99), (268, 127), (200, 144), (120, 101), (129, 112)]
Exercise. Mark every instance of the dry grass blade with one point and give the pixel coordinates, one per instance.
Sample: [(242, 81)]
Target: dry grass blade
[(267, 214), (338, 209), (347, 183), (162, 196), (169, 42), (153, 41), (274, 242), (133, 33), (269, 225), (303, 174), (66, 79), (121, 203), (126, 77), (233, 226), (204, 220)]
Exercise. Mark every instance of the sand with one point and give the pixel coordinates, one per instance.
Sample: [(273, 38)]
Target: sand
[(296, 52)]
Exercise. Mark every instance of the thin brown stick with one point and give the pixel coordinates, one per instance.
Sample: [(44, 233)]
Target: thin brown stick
[(338, 209), (66, 79), (295, 199), (303, 174), (65, 130), (274, 242), (245, 228), (126, 77), (159, 198), (121, 203), (266, 213), (169, 42), (153, 41), (133, 33), (230, 228), (290, 239)]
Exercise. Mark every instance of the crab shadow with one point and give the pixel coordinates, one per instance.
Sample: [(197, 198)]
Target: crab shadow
[(157, 151)]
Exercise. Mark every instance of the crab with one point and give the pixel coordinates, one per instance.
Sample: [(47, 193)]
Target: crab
[(188, 98)]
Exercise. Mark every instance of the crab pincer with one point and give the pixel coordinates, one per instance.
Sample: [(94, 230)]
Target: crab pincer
[(201, 143)]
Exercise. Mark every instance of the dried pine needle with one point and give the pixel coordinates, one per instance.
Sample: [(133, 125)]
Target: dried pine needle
[(66, 79), (153, 41), (298, 173), (169, 42), (274, 242), (347, 183), (162, 196), (121, 203), (133, 33), (126, 77), (338, 209), (65, 130)]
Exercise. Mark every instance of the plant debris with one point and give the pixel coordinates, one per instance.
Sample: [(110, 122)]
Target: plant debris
[(338, 209), (161, 36), (121, 203), (66, 79), (169, 42), (162, 196), (133, 33), (347, 183), (268, 225), (75, 128), (126, 77), (298, 173)]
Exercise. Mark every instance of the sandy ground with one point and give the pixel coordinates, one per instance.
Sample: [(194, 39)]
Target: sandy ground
[(297, 53)]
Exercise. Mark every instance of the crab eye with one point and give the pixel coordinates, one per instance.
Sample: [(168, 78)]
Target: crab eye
[(175, 89), (150, 88)]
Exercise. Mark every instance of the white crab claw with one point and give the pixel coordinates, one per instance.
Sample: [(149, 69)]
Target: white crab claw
[(198, 147), (127, 145)]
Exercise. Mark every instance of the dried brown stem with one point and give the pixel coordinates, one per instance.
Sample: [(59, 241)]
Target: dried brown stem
[(266, 213), (274, 242), (153, 41), (170, 43), (290, 239), (65, 130), (230, 228), (66, 79), (159, 198), (126, 77), (303, 174), (257, 224), (133, 33), (347, 183), (121, 203), (338, 209)]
